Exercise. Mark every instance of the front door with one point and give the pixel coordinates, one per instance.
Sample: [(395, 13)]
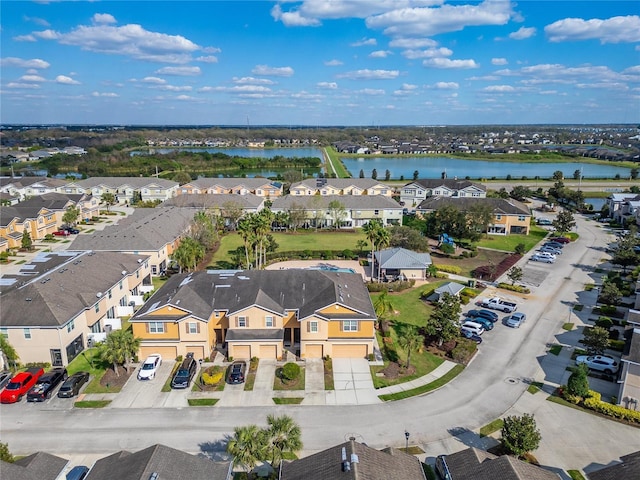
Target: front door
[(296, 335), (56, 357)]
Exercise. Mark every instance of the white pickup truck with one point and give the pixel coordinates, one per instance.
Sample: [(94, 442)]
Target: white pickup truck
[(496, 303)]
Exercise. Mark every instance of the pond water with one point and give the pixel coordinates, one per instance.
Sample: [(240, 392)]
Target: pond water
[(433, 167), (596, 202)]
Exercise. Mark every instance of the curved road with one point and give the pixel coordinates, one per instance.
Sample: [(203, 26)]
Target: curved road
[(488, 388)]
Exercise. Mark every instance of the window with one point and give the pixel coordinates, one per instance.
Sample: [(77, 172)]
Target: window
[(154, 269), (123, 301), (498, 217), (121, 285), (193, 327), (95, 328), (71, 325), (111, 313), (242, 321), (268, 321), (350, 326), (376, 212), (521, 218), (97, 307), (313, 327), (109, 294), (156, 327), (27, 333)]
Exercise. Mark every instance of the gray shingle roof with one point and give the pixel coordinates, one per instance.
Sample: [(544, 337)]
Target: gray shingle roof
[(51, 201), (38, 466), (205, 200), (122, 182), (341, 183), (249, 334), (312, 202), (498, 205), (401, 258), (249, 183), (629, 468), (22, 182), (451, 288), (166, 462), (449, 183), (55, 297), (371, 464)]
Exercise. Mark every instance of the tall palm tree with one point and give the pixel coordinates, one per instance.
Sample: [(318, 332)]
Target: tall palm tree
[(370, 229), (410, 340), (263, 227), (383, 239), (118, 348), (247, 233), (382, 306), (283, 435), (246, 446)]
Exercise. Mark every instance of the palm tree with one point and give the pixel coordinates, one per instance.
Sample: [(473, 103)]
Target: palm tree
[(246, 446), (118, 348), (382, 306), (370, 229), (410, 340), (247, 232), (283, 435), (383, 239)]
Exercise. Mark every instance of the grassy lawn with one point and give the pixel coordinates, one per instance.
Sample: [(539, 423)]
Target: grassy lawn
[(199, 386), (251, 374), (89, 361), (297, 384), (575, 475), (299, 241), (407, 306), (468, 265), (567, 326), (287, 401), (555, 350), (535, 387), (202, 402), (491, 427), (328, 374), (158, 282), (91, 403), (443, 380), (341, 172), (507, 243)]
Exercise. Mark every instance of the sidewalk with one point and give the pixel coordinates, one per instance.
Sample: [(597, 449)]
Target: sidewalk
[(442, 369)]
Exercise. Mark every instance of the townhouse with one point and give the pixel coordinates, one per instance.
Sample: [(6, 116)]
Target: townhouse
[(509, 215), (258, 313), (27, 187), (353, 211), (340, 186), (57, 306), (261, 187), (412, 194), (125, 189)]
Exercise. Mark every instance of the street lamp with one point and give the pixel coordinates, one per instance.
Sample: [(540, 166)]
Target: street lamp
[(406, 444)]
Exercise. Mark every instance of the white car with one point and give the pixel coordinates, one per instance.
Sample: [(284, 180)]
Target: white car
[(542, 258), (551, 250), (602, 363), (472, 327), (150, 367)]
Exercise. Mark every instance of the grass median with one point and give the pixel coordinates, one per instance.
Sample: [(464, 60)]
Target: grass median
[(446, 378)]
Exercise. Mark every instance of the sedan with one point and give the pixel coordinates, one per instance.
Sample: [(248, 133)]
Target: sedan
[(488, 314), (72, 230), (61, 233), (556, 245), (471, 336), (602, 363), (516, 319), (235, 374), (150, 367), (544, 221), (72, 385), (564, 240), (551, 250), (542, 258)]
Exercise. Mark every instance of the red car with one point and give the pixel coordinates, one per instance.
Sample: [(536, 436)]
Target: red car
[(62, 233), (20, 384), (559, 240)]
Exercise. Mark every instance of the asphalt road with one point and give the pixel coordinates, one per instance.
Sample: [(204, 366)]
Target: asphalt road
[(494, 383)]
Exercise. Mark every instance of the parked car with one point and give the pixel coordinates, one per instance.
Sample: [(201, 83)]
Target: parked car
[(488, 314), (470, 335), (602, 363), (551, 250), (72, 385), (72, 230), (235, 372), (20, 385), (557, 245), (544, 221), (5, 376), (150, 367), (47, 383), (497, 303), (564, 240), (61, 233), (516, 319), (473, 327), (184, 374), (485, 322), (77, 473), (543, 258)]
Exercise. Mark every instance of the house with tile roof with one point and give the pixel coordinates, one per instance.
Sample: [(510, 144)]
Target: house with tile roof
[(261, 187), (352, 461), (125, 189), (358, 210), (401, 263), (258, 313), (340, 186), (413, 193), (38, 466), (509, 216), (158, 462), (58, 305)]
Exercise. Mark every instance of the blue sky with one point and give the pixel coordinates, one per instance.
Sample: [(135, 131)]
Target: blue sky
[(320, 62)]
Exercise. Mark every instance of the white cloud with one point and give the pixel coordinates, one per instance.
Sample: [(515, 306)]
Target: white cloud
[(310, 12), (499, 61), (333, 63), (47, 35), (371, 91), (21, 63), (272, 71), (428, 53), (523, 33), (252, 81), (24, 38), (307, 96), (32, 78), (380, 54), (185, 98), (154, 80), (22, 85), (448, 63), (181, 71), (367, 74), (104, 94), (103, 18), (207, 59), (364, 42), (38, 21), (175, 88), (412, 43), (612, 30), (63, 79), (293, 19), (327, 85), (499, 89), (241, 89), (409, 86), (444, 86)]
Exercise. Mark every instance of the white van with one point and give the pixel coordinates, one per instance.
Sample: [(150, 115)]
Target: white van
[(473, 327)]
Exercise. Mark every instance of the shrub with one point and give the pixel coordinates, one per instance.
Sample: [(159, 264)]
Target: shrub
[(178, 358), (441, 275), (614, 334), (578, 383), (449, 269), (617, 345), (604, 322), (347, 254), (594, 402), (520, 249), (514, 288), (211, 379), (608, 309), (290, 371), (463, 351), (448, 249)]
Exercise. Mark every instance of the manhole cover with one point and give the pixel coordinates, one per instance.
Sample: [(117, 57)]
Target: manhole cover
[(511, 380)]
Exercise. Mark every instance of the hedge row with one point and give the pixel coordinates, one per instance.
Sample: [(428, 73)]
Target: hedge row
[(514, 288), (449, 269), (397, 286), (594, 402)]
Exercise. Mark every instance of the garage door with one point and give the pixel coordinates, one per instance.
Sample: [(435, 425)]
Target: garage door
[(241, 351), (268, 351), (168, 353), (313, 351), (198, 351), (349, 351)]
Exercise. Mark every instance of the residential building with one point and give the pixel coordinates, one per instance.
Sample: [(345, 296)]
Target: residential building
[(262, 187), (153, 232), (225, 205), (400, 263), (476, 464), (615, 203), (27, 187), (340, 186), (125, 189), (627, 212), (509, 216), (38, 466), (452, 288), (629, 393), (628, 468), (158, 462), (62, 302), (258, 313), (354, 210), (352, 461), (412, 194)]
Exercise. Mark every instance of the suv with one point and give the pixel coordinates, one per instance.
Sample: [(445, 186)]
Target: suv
[(20, 385), (551, 250), (46, 385), (602, 363), (485, 322), (488, 314), (235, 374), (186, 371), (472, 327)]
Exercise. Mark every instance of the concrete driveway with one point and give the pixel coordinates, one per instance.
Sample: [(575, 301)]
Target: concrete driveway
[(148, 393), (352, 382)]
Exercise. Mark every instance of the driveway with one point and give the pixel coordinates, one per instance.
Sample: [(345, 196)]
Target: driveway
[(352, 382), (147, 393)]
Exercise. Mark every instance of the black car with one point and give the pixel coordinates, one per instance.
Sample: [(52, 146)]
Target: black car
[(71, 387), (71, 230), (184, 374), (488, 314), (78, 473), (235, 373), (46, 385)]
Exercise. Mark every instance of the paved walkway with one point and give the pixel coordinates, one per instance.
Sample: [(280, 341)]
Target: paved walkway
[(420, 381)]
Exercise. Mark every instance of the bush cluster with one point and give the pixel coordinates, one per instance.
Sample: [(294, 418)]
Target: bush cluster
[(449, 269), (514, 288), (290, 371), (594, 402), (211, 379), (463, 351), (617, 345), (397, 286)]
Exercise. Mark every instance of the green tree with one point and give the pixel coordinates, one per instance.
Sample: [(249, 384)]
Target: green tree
[(181, 178), (361, 175), (520, 193), (232, 212), (188, 254), (558, 175), (5, 454), (387, 175), (515, 274), (292, 176), (564, 222), (370, 229), (610, 293), (520, 435), (479, 217), (577, 174), (337, 212), (26, 242), (282, 436), (246, 446), (9, 355), (578, 383), (71, 215), (247, 233), (382, 305), (410, 340), (109, 199), (416, 174), (119, 348), (408, 237), (633, 173), (361, 245), (383, 239), (443, 322), (297, 215), (596, 340), (203, 229), (374, 174)]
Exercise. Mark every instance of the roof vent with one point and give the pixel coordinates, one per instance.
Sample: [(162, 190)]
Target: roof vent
[(124, 272), (99, 294), (28, 299), (153, 476)]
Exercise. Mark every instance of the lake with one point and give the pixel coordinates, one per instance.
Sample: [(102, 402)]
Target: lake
[(433, 167)]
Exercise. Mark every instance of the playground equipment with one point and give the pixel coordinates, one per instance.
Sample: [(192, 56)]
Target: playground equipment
[(446, 240)]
